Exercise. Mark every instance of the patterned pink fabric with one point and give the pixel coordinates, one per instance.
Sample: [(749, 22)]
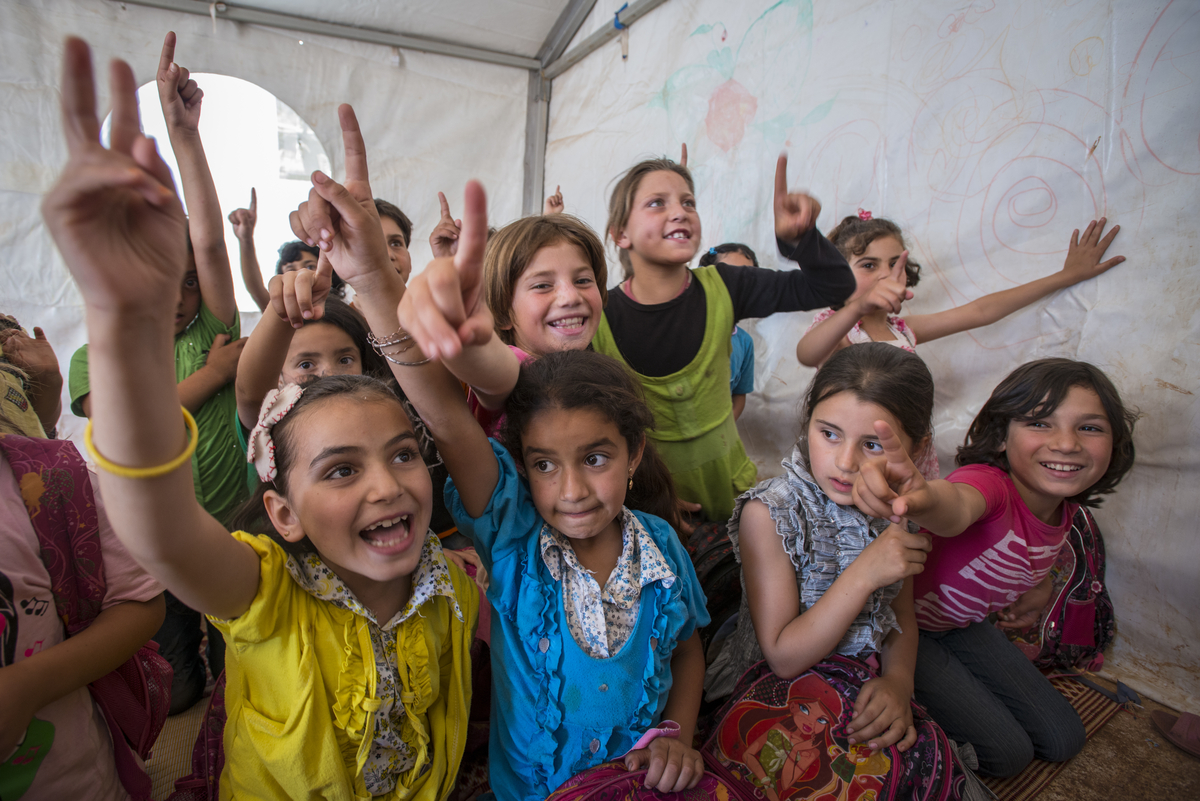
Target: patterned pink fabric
[(260, 450)]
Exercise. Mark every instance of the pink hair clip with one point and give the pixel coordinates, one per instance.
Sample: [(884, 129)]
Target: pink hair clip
[(864, 215), (261, 448)]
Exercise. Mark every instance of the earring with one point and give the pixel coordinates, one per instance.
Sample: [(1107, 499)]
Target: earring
[(631, 479)]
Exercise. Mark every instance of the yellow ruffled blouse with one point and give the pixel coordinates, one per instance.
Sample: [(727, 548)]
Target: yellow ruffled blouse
[(323, 701)]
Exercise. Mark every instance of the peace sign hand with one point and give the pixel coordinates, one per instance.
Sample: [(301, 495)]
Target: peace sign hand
[(113, 212), (444, 239), (341, 219), (795, 213), (179, 95), (443, 307), (890, 486)]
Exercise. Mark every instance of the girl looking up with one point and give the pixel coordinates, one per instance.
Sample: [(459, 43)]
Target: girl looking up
[(821, 580), (596, 606), (349, 636), (884, 277), (1053, 435), (672, 325)]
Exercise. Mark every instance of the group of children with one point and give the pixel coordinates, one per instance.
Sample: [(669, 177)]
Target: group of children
[(584, 430)]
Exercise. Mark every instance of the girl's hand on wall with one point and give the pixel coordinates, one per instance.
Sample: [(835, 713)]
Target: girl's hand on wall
[(443, 241), (883, 716), (890, 486), (113, 212), (671, 765), (179, 95), (1085, 252), (443, 308), (795, 213), (341, 219)]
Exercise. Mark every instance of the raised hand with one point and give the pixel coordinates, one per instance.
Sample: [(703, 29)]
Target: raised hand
[(1085, 252), (554, 203), (179, 95), (113, 212), (443, 307), (341, 219), (244, 220), (889, 293), (795, 213), (299, 295), (890, 486), (32, 354), (444, 238)]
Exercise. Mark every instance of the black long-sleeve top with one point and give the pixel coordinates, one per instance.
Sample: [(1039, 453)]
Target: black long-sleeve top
[(663, 338)]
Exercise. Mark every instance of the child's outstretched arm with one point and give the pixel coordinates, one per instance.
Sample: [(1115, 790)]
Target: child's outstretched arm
[(829, 336), (672, 765), (181, 99), (1083, 262), (793, 642), (243, 222), (343, 221), (119, 226), (891, 487), (882, 713)]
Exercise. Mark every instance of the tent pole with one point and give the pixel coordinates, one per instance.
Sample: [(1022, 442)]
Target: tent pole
[(631, 15), (303, 24)]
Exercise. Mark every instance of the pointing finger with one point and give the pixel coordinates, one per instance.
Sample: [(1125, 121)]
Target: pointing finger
[(168, 54), (125, 127), (253, 200), (893, 448), (355, 147), (445, 206), (473, 237), (899, 267), (78, 96), (683, 156), (781, 189)]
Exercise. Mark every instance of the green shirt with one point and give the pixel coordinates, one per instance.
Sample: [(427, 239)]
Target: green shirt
[(218, 468)]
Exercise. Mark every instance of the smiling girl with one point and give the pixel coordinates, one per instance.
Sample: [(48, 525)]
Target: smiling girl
[(1053, 435), (348, 661), (671, 325)]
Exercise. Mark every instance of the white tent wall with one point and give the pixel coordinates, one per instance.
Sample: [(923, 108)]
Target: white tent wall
[(970, 125), (430, 123)]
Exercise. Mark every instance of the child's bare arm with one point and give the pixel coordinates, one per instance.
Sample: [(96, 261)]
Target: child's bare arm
[(793, 642), (31, 684), (359, 254), (891, 487), (672, 765), (120, 229), (243, 221), (882, 713), (1083, 262), (181, 99)]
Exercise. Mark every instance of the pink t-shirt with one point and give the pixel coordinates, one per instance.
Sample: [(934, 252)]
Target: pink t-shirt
[(78, 761), (490, 420), (1003, 554)]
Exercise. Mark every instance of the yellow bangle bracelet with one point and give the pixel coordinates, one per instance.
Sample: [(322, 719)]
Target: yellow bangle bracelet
[(145, 472)]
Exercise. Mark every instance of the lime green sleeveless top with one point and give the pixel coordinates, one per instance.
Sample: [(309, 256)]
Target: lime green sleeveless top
[(694, 431)]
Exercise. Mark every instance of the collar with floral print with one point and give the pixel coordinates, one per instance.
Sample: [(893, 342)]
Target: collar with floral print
[(431, 577), (601, 619)]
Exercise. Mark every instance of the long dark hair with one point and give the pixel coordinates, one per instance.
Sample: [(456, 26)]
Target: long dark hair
[(584, 379), (252, 515), (1033, 391), (853, 235), (878, 373)]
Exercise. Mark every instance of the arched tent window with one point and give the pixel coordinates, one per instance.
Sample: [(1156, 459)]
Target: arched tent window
[(252, 139)]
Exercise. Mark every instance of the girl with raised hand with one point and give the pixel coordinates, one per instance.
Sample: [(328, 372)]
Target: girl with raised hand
[(822, 582), (1053, 435), (347, 671), (595, 603), (672, 325), (884, 277)]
